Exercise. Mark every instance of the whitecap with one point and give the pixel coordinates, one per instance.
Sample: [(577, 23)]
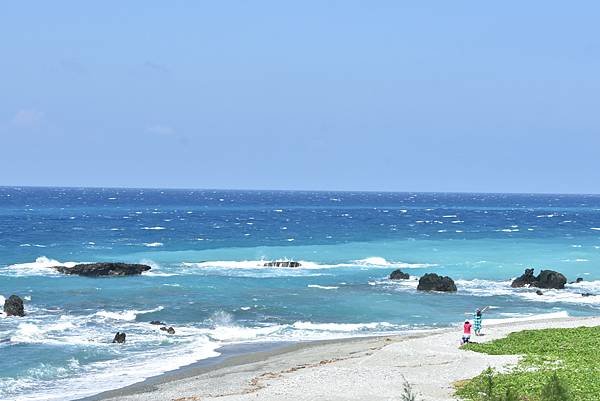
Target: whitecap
[(322, 287), (154, 228), (153, 244), (126, 315)]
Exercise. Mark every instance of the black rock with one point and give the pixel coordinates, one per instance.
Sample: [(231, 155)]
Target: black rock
[(282, 263), (587, 294), (399, 275), (119, 338), (546, 279), (434, 282), (169, 330), (157, 322), (551, 279), (526, 279), (539, 292), (104, 269), (577, 281), (13, 306)]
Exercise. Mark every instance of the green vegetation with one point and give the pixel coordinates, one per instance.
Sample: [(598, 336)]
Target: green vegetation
[(557, 365), (408, 393)]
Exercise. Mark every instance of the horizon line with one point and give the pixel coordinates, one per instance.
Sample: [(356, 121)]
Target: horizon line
[(291, 190)]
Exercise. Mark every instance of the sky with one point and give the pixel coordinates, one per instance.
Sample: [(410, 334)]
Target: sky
[(319, 95)]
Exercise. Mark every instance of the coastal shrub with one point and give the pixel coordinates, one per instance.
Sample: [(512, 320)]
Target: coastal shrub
[(486, 388), (408, 393), (559, 363), (555, 390)]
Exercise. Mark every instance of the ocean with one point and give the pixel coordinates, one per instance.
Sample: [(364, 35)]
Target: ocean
[(207, 249)]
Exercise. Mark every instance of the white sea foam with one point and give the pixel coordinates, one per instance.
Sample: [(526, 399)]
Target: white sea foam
[(526, 317), (234, 333), (41, 266), (572, 294), (153, 244), (101, 376), (322, 287), (154, 228), (127, 315), (341, 327), (371, 262)]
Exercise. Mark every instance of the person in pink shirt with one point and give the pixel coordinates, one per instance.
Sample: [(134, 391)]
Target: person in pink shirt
[(466, 332)]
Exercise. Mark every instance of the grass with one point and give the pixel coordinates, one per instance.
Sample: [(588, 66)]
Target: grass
[(570, 357)]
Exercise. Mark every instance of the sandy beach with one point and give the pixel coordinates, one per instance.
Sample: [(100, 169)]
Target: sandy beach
[(355, 369)]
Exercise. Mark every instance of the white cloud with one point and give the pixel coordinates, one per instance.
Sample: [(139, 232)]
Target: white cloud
[(27, 117)]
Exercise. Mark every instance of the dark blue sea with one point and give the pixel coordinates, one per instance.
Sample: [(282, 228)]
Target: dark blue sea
[(207, 249)]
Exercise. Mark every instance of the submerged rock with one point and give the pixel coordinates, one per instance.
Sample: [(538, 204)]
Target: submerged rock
[(539, 292), (157, 322), (282, 263), (119, 338), (546, 279), (399, 275), (169, 330), (104, 269), (577, 281), (434, 282), (13, 306), (587, 294)]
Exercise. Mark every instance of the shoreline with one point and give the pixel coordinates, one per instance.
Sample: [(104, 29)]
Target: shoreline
[(356, 368), (241, 354)]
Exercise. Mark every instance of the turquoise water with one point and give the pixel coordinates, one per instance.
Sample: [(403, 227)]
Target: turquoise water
[(206, 249)]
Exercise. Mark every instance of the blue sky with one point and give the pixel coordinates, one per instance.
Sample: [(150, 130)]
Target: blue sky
[(349, 95)]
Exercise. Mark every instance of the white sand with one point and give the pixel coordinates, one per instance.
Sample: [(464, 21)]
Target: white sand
[(362, 369)]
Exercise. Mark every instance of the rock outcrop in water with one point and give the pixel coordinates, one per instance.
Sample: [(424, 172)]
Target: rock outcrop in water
[(434, 282), (169, 330), (13, 306), (119, 338), (282, 263), (546, 279), (399, 275), (104, 269)]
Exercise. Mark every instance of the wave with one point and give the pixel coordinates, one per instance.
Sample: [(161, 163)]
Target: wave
[(225, 329), (91, 378), (526, 317), (370, 262), (342, 327), (41, 266), (322, 287), (153, 244), (127, 315), (154, 228), (584, 293)]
